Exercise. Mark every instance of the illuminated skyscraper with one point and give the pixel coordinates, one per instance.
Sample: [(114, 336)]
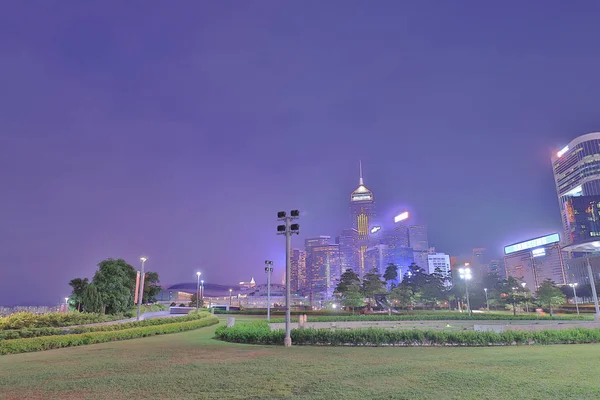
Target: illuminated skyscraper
[(576, 173), (322, 268), (419, 242), (362, 211), (348, 242), (298, 270)]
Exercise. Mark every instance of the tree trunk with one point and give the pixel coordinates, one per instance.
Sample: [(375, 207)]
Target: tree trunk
[(550, 310), (514, 309)]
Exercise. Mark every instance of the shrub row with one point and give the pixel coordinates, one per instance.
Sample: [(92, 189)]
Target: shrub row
[(263, 311), (259, 333), (55, 342), (22, 320), (435, 317), (37, 332)]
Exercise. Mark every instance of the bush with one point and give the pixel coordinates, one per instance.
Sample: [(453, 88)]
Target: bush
[(260, 333), (23, 320), (55, 342), (37, 332), (435, 317)]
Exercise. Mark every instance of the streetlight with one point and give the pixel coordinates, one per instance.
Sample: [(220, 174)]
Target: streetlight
[(574, 285), (140, 296), (202, 291), (525, 293), (268, 270), (487, 304), (67, 304), (198, 290), (334, 306), (465, 274), (288, 229), (230, 290)]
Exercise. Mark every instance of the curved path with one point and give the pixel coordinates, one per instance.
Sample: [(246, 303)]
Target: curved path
[(146, 315)]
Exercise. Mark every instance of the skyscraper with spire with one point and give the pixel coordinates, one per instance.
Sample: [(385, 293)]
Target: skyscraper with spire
[(362, 211)]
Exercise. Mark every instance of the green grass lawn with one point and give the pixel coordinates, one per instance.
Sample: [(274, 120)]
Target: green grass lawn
[(192, 365)]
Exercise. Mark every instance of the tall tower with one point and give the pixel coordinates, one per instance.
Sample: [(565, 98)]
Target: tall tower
[(576, 170), (362, 211)]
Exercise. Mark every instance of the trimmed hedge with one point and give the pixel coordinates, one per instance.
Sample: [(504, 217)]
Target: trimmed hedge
[(23, 320), (37, 332), (260, 333), (436, 317), (56, 342)]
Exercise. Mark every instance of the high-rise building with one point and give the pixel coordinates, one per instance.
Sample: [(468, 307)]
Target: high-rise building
[(440, 261), (362, 211), (376, 258), (298, 270), (536, 260), (348, 242), (583, 219), (419, 242), (576, 173), (497, 267), (323, 269)]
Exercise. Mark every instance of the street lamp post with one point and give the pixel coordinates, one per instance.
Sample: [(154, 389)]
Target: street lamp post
[(487, 303), (465, 274), (594, 294), (141, 294), (574, 285), (268, 270), (230, 290), (525, 293), (198, 290), (288, 229), (202, 292), (66, 304)]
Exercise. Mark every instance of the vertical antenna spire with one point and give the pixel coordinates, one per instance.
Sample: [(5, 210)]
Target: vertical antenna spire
[(361, 177)]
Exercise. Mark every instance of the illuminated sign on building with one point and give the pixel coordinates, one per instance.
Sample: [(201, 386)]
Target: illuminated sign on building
[(563, 151), (375, 229), (539, 252), (361, 197), (401, 217), (530, 244)]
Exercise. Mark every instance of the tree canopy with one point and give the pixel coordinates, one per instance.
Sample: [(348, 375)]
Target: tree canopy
[(549, 295)]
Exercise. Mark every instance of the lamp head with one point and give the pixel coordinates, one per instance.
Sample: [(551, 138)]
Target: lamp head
[(143, 259), (198, 273)]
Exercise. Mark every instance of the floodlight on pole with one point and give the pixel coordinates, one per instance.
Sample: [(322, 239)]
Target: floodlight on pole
[(202, 291), (288, 229), (574, 285), (141, 294), (230, 290), (487, 304), (198, 290), (465, 274), (268, 270)]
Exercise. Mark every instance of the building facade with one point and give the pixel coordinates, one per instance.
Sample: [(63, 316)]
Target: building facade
[(362, 212), (419, 243), (323, 267), (348, 242), (536, 260), (297, 270), (440, 261), (576, 170)]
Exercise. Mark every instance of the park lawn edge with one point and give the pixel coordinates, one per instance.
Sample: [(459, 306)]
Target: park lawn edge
[(435, 317), (260, 333), (16, 346)]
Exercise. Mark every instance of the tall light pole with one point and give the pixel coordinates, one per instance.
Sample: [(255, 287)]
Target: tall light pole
[(67, 304), (230, 290), (140, 296), (198, 290), (487, 303), (288, 229), (268, 270), (465, 274), (594, 294), (525, 294), (202, 292), (574, 285)]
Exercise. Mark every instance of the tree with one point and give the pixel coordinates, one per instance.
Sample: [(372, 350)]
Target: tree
[(372, 284), (348, 281), (403, 295), (193, 301), (78, 286), (152, 287), (391, 274), (353, 298), (549, 295), (433, 289), (91, 299), (115, 281)]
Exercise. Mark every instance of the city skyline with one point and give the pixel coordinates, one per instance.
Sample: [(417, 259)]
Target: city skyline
[(179, 134)]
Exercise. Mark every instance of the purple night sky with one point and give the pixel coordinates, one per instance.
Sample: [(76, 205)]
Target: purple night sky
[(177, 130)]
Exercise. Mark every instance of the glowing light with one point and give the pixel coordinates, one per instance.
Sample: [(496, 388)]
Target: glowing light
[(529, 244), (538, 252), (563, 151), (401, 217), (575, 191), (465, 273), (375, 229)]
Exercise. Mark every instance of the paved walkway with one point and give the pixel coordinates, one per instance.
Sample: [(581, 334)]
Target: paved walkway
[(148, 315)]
